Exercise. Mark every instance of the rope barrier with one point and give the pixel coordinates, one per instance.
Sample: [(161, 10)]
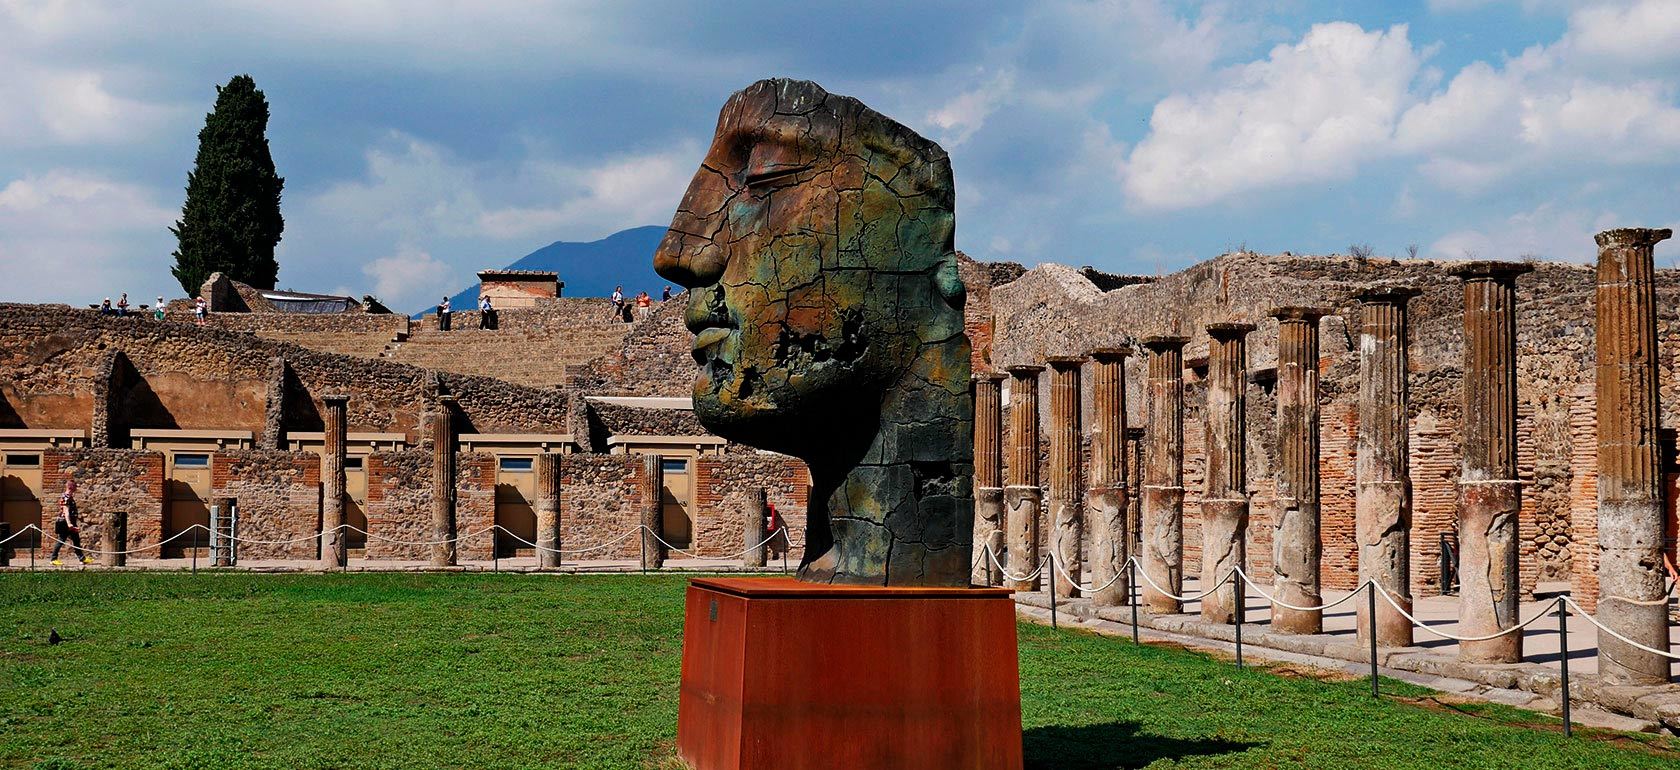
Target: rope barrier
[(1004, 571), (1170, 595), (158, 545), (1055, 563), (1547, 610), (1612, 632), (1281, 603)]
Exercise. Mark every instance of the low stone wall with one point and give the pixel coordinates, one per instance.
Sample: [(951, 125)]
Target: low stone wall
[(723, 485), (278, 495)]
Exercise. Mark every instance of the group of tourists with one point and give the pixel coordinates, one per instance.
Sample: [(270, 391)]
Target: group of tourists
[(201, 308), (643, 302), (487, 318)]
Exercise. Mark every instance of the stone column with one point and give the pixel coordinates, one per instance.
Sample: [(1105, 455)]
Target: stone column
[(1630, 479), (1067, 488), (548, 510), (1109, 488), (116, 540), (1489, 495), (653, 518), (440, 430), (1295, 544), (1022, 497), (1163, 476), (753, 520), (1225, 490), (1383, 497), (333, 552), (988, 480)]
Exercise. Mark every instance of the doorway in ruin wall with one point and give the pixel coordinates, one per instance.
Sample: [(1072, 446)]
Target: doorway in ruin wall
[(187, 482), (676, 522), (516, 491), (20, 496)]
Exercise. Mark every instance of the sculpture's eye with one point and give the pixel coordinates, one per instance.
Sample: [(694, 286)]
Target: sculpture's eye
[(773, 177)]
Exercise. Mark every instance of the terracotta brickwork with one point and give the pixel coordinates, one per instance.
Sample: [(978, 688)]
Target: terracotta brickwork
[(724, 484)]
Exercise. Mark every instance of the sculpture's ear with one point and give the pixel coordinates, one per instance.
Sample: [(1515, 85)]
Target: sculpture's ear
[(949, 281)]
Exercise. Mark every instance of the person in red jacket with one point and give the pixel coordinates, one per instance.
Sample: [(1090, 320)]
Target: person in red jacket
[(776, 530)]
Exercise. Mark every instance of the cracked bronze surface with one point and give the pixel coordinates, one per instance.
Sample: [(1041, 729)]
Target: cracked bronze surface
[(817, 241)]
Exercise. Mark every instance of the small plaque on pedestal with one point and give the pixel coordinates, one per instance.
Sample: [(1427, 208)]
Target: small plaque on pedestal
[(779, 674)]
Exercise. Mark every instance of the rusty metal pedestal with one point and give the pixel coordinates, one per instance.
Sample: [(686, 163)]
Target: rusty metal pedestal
[(783, 675)]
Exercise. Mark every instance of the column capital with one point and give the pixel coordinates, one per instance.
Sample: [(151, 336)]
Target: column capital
[(1489, 270), (1387, 295), (1115, 354), (1230, 330), (1632, 236), (1159, 343), (1060, 363), (335, 399), (1024, 371), (989, 377), (1301, 313)]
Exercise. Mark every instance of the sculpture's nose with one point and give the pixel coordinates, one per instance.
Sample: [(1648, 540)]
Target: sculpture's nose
[(688, 259)]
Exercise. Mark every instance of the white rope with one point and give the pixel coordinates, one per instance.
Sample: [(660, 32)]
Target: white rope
[(1279, 602), (690, 554), (159, 544), (1549, 609), (1612, 632), (1164, 592), (1055, 563), (20, 533), (394, 541), (1004, 571), (1643, 602)]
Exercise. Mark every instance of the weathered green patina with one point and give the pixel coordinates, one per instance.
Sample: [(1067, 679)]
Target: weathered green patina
[(817, 240)]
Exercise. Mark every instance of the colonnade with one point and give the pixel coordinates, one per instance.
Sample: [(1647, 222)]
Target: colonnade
[(1093, 520)]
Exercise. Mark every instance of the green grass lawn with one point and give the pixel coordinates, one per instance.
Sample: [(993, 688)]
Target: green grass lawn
[(406, 670)]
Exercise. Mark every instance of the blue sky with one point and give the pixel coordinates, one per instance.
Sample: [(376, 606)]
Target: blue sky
[(421, 140)]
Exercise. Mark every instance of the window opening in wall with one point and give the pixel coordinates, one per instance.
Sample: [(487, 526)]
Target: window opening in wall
[(669, 465), (352, 463), (515, 464), (23, 460), (192, 461)]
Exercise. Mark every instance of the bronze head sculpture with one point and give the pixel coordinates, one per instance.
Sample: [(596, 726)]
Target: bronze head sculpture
[(816, 239)]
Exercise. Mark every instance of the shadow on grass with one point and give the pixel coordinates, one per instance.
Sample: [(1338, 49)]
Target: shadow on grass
[(1112, 745)]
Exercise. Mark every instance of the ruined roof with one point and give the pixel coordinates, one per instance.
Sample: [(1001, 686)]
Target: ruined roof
[(519, 275)]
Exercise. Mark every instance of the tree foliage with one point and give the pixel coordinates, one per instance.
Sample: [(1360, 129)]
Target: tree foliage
[(231, 220)]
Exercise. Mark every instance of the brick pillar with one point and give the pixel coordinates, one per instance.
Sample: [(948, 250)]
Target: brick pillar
[(548, 510), (1383, 497), (988, 480), (1163, 476), (1489, 494), (1630, 495), (1225, 490), (442, 434), (332, 481), (1022, 497), (1295, 544), (1067, 487), (653, 519), (116, 540), (1109, 489), (753, 521)]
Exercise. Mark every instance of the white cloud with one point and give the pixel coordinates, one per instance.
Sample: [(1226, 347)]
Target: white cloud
[(1642, 33), (409, 277), (70, 234), (959, 118), (1309, 112), (1546, 232)]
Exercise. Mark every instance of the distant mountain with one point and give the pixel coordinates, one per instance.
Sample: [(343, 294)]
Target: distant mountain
[(592, 269)]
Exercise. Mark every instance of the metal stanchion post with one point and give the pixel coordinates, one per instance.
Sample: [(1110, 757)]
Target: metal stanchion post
[(1239, 597), (641, 551), (1050, 561), (1133, 591), (1371, 604), (1563, 661)]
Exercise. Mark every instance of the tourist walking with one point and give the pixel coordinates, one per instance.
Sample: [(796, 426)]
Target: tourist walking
[(443, 315), (776, 531), (200, 310), (157, 310), (644, 305), (618, 303), (67, 527)]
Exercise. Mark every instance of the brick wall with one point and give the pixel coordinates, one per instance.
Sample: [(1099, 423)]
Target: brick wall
[(724, 484), (278, 495)]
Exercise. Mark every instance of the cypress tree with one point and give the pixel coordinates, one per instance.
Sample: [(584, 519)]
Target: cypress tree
[(231, 219)]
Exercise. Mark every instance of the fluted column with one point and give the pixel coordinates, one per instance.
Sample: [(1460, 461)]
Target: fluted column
[(333, 552), (653, 505), (1295, 543), (1022, 497), (1163, 476), (1630, 495), (754, 519), (548, 510), (989, 545), (1489, 494), (1067, 486), (440, 431), (1225, 490), (1383, 496), (1106, 499)]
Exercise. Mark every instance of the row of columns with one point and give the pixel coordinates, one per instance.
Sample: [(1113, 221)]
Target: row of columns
[(1630, 513)]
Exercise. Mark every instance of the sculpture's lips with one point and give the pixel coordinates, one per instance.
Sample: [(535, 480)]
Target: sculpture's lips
[(710, 337)]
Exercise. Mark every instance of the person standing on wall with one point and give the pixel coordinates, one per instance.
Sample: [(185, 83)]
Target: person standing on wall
[(157, 311), (667, 297), (486, 314), (122, 305), (68, 526), (644, 305), (618, 303), (200, 310), (443, 315)]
